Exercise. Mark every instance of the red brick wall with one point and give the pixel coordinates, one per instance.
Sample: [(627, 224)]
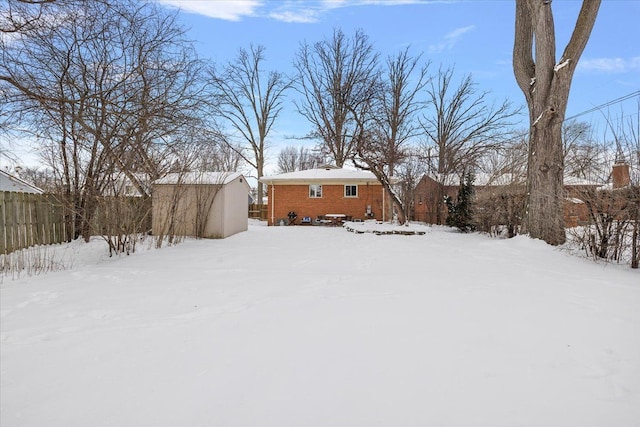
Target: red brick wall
[(296, 198), (575, 214), (428, 190), (429, 195)]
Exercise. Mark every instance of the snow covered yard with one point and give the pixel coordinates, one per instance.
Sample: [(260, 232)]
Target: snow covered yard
[(317, 326)]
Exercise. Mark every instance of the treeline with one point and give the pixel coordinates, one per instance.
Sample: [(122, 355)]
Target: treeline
[(116, 97)]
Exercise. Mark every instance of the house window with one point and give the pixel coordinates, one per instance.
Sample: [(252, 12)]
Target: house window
[(350, 191), (315, 191)]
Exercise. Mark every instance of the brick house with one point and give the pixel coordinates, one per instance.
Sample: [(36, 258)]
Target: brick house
[(615, 196), (429, 194), (428, 205), (575, 210), (315, 193)]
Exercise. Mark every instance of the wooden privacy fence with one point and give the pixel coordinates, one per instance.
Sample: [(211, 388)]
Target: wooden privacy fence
[(258, 211), (30, 219)]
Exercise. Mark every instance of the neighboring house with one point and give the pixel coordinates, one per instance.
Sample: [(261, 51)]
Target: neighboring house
[(15, 184), (575, 210), (315, 193), (205, 204), (614, 196), (431, 191)]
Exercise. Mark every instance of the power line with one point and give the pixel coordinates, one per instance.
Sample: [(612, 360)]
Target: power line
[(606, 104), (591, 110)]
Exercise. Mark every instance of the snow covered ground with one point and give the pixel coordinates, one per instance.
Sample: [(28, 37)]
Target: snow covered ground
[(317, 326)]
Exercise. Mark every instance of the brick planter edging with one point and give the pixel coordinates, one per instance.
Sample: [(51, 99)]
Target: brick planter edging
[(385, 232)]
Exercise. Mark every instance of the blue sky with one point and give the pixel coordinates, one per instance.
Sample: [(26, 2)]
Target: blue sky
[(474, 36)]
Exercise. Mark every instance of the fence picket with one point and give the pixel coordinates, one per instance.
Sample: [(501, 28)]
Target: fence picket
[(29, 219), (41, 219)]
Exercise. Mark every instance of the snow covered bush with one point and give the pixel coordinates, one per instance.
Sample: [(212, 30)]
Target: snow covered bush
[(499, 211)]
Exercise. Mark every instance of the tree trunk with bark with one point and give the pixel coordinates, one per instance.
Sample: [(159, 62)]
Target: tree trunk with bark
[(545, 84)]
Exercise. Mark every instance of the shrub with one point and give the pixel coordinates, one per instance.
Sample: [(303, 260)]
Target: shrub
[(461, 211)]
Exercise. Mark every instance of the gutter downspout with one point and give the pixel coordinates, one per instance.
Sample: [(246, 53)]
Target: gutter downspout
[(273, 202)]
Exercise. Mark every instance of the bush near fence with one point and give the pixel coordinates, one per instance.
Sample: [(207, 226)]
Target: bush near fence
[(41, 219)]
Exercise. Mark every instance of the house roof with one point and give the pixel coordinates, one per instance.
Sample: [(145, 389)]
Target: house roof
[(321, 175), (490, 180), (480, 179), (13, 183), (198, 178), (575, 181)]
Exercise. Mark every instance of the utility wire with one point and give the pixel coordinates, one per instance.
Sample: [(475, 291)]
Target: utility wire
[(606, 104), (591, 110)]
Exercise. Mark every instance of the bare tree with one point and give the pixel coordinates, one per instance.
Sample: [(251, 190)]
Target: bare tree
[(584, 156), (219, 157), (462, 128), (409, 172), (291, 159), (42, 178), (575, 133), (394, 122), (16, 16), (107, 89), (337, 78), (545, 84), (399, 104), (250, 102)]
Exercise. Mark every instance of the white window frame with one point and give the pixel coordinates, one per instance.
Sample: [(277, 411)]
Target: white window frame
[(350, 196), (315, 191)]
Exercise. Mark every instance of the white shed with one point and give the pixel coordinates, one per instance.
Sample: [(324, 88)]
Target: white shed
[(201, 204)]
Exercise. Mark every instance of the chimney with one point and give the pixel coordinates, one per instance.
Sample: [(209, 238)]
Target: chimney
[(620, 174)]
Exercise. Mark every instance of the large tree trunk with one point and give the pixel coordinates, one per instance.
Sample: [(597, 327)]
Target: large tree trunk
[(545, 190), (546, 85), (260, 188)]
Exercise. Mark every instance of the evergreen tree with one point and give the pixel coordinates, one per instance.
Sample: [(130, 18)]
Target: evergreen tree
[(460, 211)]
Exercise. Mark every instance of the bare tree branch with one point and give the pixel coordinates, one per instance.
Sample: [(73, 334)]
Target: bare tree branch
[(250, 102), (337, 78)]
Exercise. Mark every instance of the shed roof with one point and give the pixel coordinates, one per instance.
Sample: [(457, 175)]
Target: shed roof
[(209, 178), (321, 175), (13, 183)]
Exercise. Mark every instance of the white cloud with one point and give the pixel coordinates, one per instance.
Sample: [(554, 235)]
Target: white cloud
[(230, 10), (333, 4), (286, 10), (304, 16), (311, 11), (610, 65), (344, 3), (459, 32), (450, 39)]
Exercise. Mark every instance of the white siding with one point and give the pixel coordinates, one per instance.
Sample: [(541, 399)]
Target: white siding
[(230, 211)]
